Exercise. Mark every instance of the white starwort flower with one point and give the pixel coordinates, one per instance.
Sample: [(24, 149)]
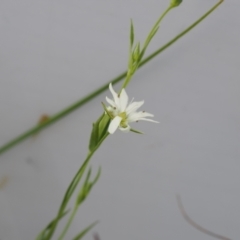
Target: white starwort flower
[(123, 113)]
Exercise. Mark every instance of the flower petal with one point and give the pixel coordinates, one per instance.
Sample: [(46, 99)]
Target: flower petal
[(111, 102), (146, 114), (115, 96), (149, 120), (114, 124), (123, 100), (136, 116), (133, 107)]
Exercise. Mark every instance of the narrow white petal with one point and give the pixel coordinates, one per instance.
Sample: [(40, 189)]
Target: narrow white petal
[(123, 100), (134, 107), (114, 124), (135, 116), (126, 129), (115, 95), (146, 114), (111, 102), (147, 119)]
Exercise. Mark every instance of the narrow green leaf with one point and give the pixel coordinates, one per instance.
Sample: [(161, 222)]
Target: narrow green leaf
[(84, 189), (94, 181), (135, 131), (85, 231), (97, 176), (68, 194), (87, 178), (73, 185), (131, 34), (42, 234), (87, 186)]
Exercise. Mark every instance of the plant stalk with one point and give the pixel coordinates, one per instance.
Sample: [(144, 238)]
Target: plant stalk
[(87, 98)]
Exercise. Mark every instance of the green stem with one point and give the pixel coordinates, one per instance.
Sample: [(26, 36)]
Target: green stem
[(156, 26), (74, 211), (84, 100), (157, 52), (72, 187), (131, 71)]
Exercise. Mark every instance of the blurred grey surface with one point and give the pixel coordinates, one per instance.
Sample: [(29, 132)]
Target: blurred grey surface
[(55, 52)]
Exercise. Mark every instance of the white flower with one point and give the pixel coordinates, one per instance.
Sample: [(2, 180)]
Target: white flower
[(123, 113)]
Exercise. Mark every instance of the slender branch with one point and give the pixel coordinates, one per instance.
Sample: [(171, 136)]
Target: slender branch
[(69, 222), (180, 35), (71, 188), (132, 68), (194, 224), (84, 100)]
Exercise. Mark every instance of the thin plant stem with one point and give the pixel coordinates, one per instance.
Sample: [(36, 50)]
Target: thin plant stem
[(165, 46), (133, 69), (74, 211), (72, 186), (86, 99), (66, 197)]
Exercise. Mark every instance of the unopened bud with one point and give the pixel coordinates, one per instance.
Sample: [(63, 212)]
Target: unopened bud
[(175, 3), (136, 52)]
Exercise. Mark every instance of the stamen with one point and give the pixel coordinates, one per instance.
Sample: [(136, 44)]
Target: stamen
[(131, 101)]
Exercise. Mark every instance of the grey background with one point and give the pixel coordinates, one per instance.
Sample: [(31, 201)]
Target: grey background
[(54, 52)]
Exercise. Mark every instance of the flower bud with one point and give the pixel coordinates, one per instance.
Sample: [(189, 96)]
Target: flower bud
[(99, 130), (136, 53), (175, 3)]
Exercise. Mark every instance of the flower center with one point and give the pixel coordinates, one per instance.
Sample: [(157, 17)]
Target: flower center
[(123, 123)]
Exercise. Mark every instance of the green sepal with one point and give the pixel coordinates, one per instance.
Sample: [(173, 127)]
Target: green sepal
[(85, 231), (103, 125), (99, 129), (106, 110), (94, 137), (136, 131), (136, 52)]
